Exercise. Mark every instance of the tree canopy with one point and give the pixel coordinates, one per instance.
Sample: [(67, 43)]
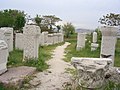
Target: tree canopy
[(68, 29), (110, 19), (46, 22), (12, 18)]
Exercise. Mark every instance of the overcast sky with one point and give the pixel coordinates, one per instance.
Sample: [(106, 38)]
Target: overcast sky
[(82, 13)]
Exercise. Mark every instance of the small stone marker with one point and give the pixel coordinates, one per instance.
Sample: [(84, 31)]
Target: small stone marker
[(3, 56), (31, 42), (81, 40), (94, 45)]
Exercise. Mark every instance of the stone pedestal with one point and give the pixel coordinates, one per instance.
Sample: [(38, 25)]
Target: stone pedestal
[(31, 41), (19, 41), (3, 56), (108, 42), (94, 46), (91, 71), (80, 41), (8, 32)]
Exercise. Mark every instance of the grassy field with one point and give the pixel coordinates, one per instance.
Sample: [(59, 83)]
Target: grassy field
[(86, 52)]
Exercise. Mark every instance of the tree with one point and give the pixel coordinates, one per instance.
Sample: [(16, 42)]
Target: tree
[(68, 29), (110, 19), (46, 22), (12, 18), (38, 20)]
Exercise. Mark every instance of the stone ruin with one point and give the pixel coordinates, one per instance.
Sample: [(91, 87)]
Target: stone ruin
[(19, 41), (80, 41), (31, 41), (109, 39), (95, 73), (8, 36), (3, 56)]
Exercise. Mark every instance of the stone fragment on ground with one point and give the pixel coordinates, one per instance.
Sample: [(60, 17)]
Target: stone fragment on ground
[(15, 76)]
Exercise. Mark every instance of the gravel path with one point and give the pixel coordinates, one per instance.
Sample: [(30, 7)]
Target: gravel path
[(55, 77)]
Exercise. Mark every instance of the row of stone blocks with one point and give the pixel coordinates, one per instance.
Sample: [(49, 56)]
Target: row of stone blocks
[(44, 39), (28, 41)]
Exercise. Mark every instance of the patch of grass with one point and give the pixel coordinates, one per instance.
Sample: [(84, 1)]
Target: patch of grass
[(117, 54), (7, 87), (85, 52), (15, 58)]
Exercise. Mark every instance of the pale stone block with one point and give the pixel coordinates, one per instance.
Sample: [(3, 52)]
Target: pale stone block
[(8, 32), (31, 43), (94, 37), (81, 40), (108, 42), (19, 41), (55, 38), (3, 56), (44, 38), (91, 71), (50, 39), (60, 37), (41, 39)]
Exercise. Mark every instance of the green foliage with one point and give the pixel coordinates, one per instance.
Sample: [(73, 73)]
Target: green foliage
[(15, 58), (38, 20), (68, 29), (112, 86), (12, 18), (111, 19), (45, 21), (117, 53)]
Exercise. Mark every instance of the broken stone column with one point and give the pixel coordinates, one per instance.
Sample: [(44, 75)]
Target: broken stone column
[(108, 43), (19, 41), (80, 41), (8, 32), (31, 41), (91, 71), (50, 39), (3, 56), (94, 45)]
